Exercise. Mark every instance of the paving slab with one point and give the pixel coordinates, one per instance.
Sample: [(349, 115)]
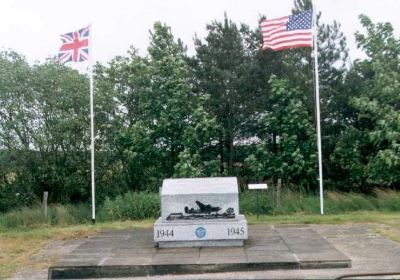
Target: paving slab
[(370, 253), (133, 253)]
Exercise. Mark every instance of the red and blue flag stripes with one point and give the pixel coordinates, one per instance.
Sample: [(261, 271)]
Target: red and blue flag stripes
[(75, 46)]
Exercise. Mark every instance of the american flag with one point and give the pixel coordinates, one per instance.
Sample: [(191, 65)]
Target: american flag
[(292, 31), (75, 46)]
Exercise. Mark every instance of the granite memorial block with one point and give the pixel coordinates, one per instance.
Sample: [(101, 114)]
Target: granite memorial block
[(200, 212)]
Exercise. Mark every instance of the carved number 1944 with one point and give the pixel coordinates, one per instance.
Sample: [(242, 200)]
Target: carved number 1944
[(235, 231), (165, 233)]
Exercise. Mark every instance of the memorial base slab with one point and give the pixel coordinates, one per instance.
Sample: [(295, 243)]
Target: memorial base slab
[(201, 233)]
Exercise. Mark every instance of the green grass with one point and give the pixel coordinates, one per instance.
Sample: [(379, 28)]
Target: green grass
[(334, 202), (352, 217), (56, 215), (144, 205), (131, 206)]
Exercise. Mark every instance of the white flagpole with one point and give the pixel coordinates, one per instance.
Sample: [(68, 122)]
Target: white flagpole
[(321, 187), (92, 127)]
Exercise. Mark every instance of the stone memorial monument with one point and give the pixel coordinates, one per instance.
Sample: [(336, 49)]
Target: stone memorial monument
[(198, 212)]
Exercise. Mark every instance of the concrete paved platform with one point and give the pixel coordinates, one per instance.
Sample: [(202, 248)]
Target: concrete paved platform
[(127, 253)]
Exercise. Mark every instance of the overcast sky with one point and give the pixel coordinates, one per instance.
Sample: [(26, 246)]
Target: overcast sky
[(32, 27)]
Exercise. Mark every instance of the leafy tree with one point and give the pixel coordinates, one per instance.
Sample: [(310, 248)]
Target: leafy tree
[(296, 67), (169, 101), (232, 109), (221, 68), (17, 121), (16, 100), (375, 128), (177, 118), (334, 98), (288, 147), (156, 116), (127, 158), (44, 129), (196, 160), (61, 134)]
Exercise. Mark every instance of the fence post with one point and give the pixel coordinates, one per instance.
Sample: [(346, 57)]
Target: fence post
[(45, 196), (278, 193)]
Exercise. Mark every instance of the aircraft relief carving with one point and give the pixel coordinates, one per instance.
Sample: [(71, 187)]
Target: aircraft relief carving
[(204, 211)]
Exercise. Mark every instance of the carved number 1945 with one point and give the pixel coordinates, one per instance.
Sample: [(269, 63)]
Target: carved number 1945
[(235, 231)]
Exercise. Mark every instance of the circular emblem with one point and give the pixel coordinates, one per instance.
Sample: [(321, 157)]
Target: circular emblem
[(200, 232)]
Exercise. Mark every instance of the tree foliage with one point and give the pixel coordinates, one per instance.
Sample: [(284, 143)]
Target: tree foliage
[(374, 84), (228, 109)]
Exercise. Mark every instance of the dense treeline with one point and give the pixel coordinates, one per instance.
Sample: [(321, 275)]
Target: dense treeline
[(230, 109)]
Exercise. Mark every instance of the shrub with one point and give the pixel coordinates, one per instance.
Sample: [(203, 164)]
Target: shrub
[(24, 217), (131, 206), (56, 215), (388, 200)]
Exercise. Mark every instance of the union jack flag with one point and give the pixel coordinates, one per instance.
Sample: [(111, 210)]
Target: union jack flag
[(75, 46)]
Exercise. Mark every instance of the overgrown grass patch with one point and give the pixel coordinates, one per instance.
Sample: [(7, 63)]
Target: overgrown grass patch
[(145, 205), (306, 203), (35, 217), (131, 206), (387, 200)]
